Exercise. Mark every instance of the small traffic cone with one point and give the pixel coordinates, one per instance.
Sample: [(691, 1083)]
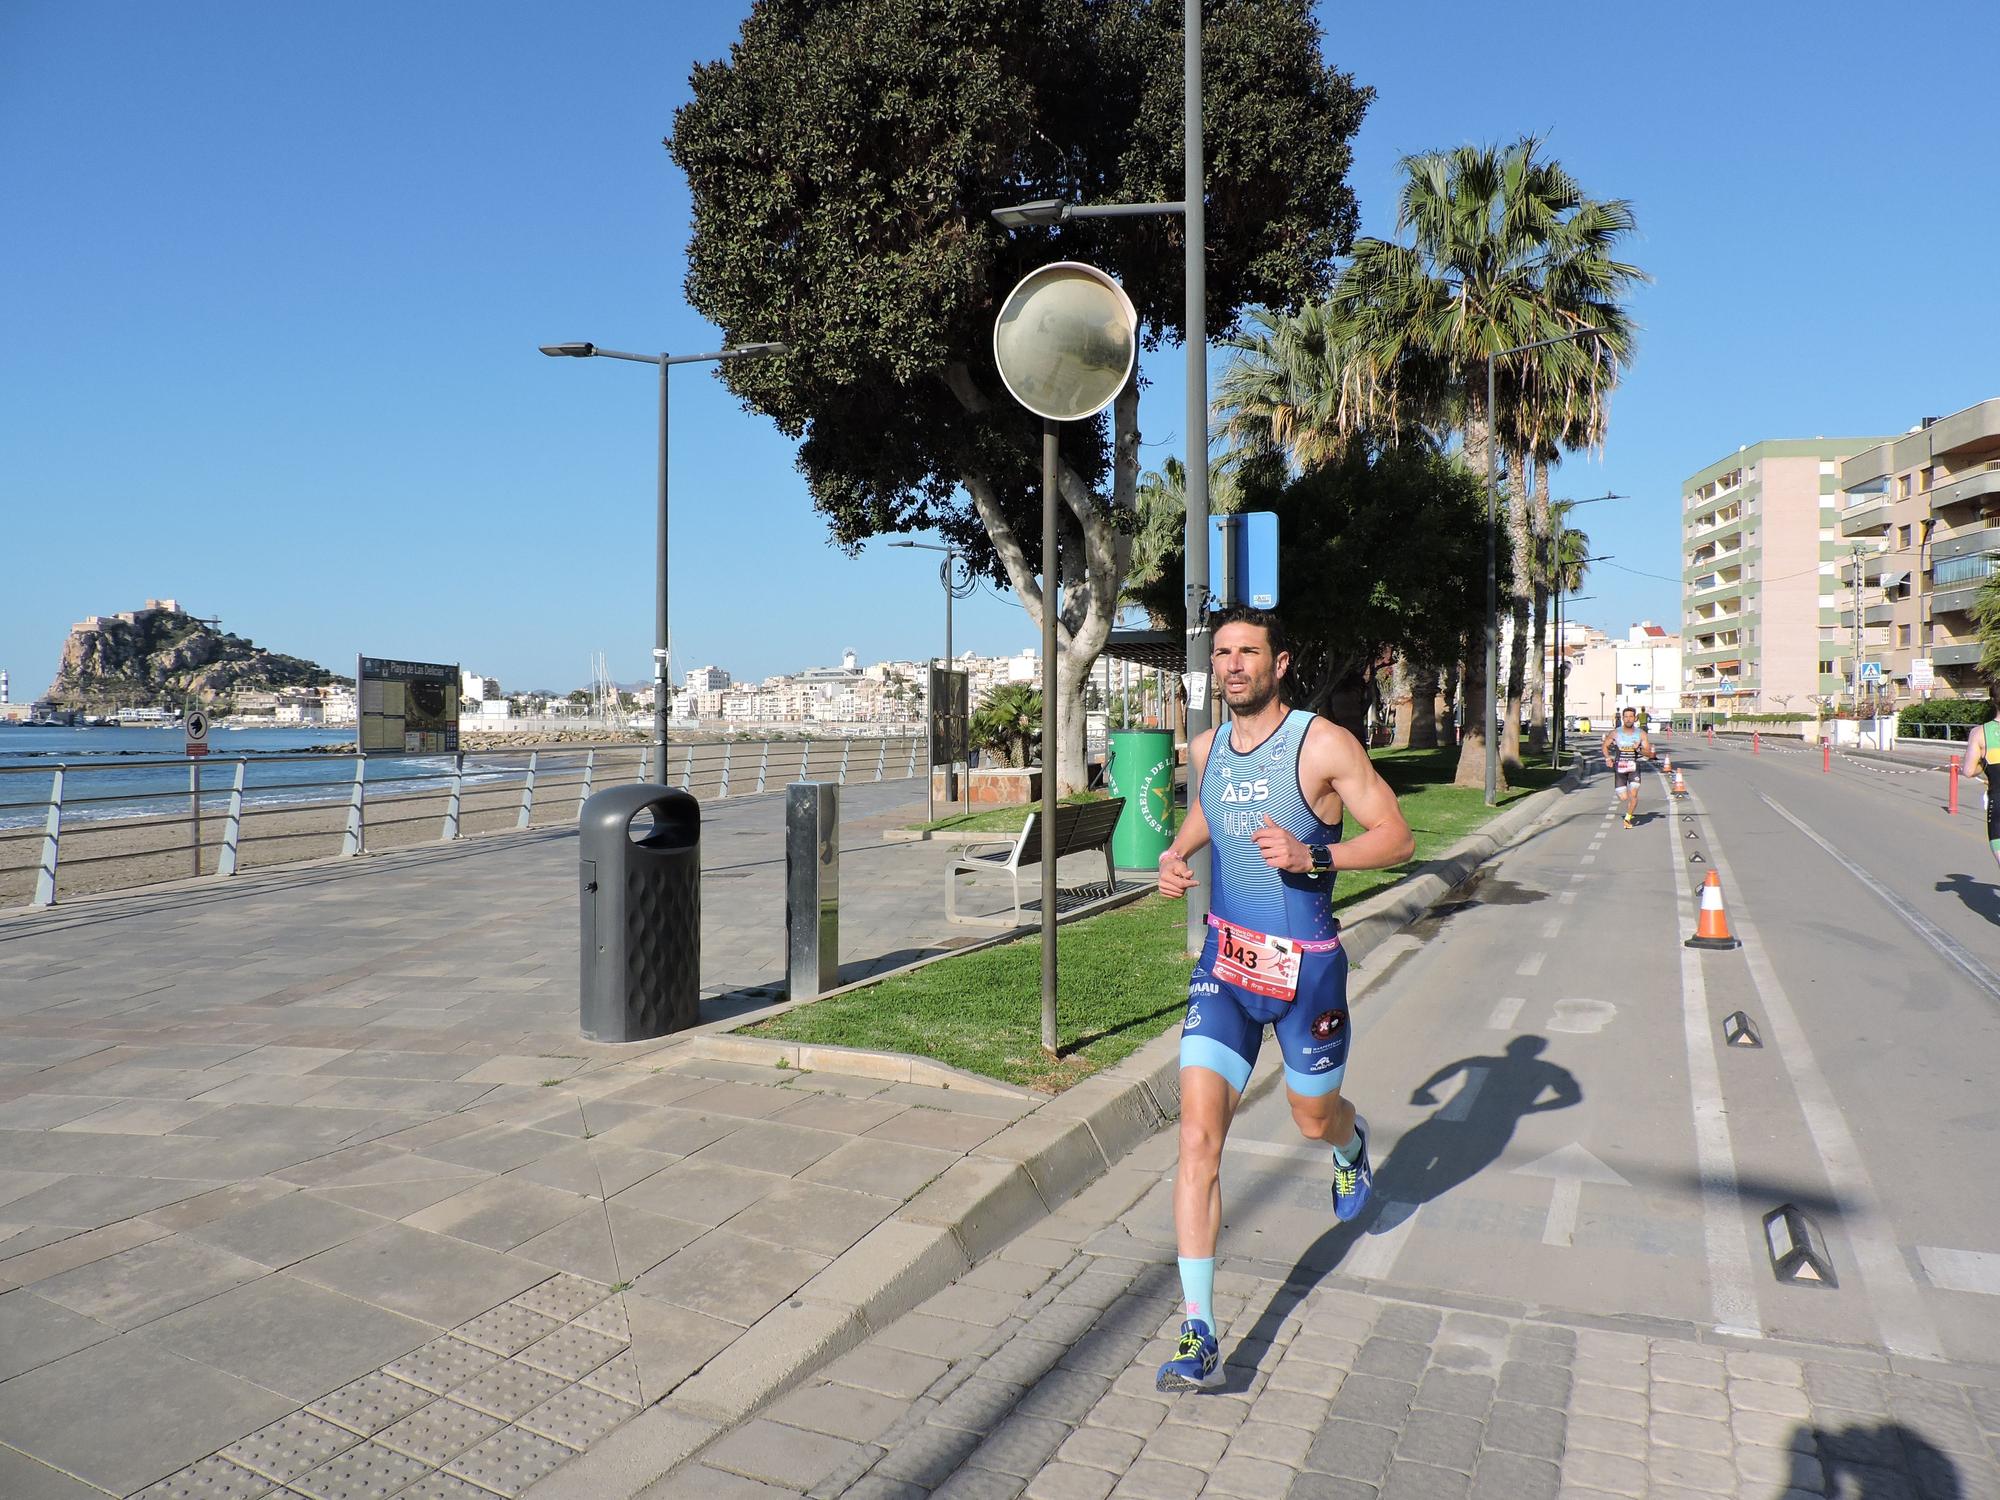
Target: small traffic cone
[(1680, 785), (1711, 928), (1666, 761)]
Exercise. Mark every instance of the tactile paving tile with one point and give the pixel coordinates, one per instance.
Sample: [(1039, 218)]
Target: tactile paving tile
[(508, 1389), (607, 1317), (210, 1479), (369, 1472), (561, 1296), (571, 1352), (371, 1403), (442, 1364), (439, 1432), (617, 1378), (444, 1487), (290, 1446), (509, 1461), (508, 1328), (577, 1416)]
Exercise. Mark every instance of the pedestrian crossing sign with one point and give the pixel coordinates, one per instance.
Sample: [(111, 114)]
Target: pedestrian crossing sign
[(1871, 671)]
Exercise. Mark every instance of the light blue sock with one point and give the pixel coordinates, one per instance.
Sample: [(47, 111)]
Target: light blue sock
[(1198, 1289), (1345, 1155)]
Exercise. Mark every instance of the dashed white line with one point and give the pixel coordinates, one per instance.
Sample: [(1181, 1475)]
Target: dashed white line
[(1565, 898), (1505, 1012), (1961, 1270), (1532, 964), (1588, 859), (1732, 1303), (1553, 927)]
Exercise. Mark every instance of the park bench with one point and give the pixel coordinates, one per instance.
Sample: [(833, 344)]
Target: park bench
[(1080, 827)]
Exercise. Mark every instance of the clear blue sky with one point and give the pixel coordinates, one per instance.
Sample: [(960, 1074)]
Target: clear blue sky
[(275, 275)]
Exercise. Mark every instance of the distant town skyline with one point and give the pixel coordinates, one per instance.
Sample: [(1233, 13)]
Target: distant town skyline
[(273, 331)]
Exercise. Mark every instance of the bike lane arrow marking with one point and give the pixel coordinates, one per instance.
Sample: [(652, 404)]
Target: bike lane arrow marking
[(1569, 1167)]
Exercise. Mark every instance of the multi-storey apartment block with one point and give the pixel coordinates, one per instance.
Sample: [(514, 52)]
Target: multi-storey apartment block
[(1920, 524), (1760, 541)]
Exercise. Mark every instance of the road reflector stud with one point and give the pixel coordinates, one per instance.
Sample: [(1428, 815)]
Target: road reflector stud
[(1711, 928), (1696, 859), (1798, 1249), (1738, 1031)]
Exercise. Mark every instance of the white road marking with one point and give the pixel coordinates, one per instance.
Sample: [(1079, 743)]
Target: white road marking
[(1459, 1105), (1578, 875), (1584, 1017), (1570, 1167), (1732, 1303), (1900, 1315), (1312, 1156), (1946, 945), (1532, 964), (1961, 1270), (1374, 1257), (1565, 898), (1588, 859), (1505, 1012), (1553, 927)]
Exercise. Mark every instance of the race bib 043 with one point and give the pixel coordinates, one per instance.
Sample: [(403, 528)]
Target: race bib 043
[(1256, 961)]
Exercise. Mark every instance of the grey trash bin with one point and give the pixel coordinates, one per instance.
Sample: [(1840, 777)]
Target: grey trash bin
[(641, 914)]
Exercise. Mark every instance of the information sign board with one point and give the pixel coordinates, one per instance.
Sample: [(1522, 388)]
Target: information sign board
[(407, 706)]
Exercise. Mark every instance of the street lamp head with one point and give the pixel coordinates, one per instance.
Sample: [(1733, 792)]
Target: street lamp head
[(902, 544), (572, 351), (1027, 215), (755, 351)]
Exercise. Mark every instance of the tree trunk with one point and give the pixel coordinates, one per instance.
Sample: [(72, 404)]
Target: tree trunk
[(1538, 731), (1347, 704), (1478, 711), (1085, 594), (1424, 708), (1402, 704), (1520, 596)]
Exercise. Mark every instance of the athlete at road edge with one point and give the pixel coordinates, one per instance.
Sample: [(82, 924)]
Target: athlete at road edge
[(1270, 798)]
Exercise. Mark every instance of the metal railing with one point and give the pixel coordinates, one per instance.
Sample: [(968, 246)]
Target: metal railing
[(257, 809)]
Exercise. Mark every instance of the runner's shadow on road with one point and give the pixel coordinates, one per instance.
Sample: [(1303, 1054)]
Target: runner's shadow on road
[(1872, 1462), (1981, 897), (1460, 1139)]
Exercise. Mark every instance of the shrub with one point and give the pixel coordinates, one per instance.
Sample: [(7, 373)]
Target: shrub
[(1943, 711)]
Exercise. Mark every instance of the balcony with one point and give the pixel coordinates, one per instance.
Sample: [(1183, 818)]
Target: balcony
[(1957, 654), (1966, 544), (1871, 614), (1972, 484), (1955, 600), (1868, 515)]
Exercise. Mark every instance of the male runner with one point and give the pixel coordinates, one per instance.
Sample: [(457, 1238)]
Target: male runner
[(1271, 789), (1623, 745), (1982, 749)]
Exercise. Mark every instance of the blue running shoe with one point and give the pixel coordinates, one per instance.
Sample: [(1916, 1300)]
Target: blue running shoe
[(1189, 1369), (1353, 1186)]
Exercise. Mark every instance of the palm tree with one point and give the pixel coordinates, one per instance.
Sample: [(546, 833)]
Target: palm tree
[(1153, 580), (1504, 250), (1986, 615), (1009, 720)]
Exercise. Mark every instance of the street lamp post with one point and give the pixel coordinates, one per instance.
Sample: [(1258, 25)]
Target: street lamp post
[(1194, 573), (948, 574), (1493, 551), (665, 363)]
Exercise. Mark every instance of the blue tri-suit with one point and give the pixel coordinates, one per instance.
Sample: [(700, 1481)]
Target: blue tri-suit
[(1225, 1023)]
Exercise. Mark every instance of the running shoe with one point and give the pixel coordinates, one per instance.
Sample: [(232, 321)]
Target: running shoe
[(1629, 823), (1353, 1185), (1190, 1368)]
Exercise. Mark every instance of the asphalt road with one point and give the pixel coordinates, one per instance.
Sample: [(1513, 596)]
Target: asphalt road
[(1556, 1120)]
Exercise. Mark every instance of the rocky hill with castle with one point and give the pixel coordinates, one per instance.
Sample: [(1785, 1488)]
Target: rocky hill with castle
[(162, 656)]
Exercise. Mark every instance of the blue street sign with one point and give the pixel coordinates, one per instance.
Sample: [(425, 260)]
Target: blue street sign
[(1243, 559)]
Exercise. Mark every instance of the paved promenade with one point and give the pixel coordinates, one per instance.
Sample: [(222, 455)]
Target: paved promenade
[(308, 1186)]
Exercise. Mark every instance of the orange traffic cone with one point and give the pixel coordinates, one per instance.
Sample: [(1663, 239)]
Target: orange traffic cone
[(1711, 928), (1680, 785), (1666, 761)]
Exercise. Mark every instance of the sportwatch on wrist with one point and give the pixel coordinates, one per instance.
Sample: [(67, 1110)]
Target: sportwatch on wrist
[(1321, 856)]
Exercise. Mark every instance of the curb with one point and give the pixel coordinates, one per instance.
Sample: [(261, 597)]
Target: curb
[(973, 1208)]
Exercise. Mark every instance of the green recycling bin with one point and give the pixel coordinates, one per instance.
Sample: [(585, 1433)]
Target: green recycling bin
[(1141, 770)]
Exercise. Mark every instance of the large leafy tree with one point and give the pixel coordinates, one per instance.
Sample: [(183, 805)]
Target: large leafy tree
[(844, 160), (1502, 249)]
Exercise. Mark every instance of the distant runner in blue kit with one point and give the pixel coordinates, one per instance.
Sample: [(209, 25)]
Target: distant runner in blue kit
[(1273, 785)]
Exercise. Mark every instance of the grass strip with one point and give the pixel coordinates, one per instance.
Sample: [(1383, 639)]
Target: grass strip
[(1122, 976)]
